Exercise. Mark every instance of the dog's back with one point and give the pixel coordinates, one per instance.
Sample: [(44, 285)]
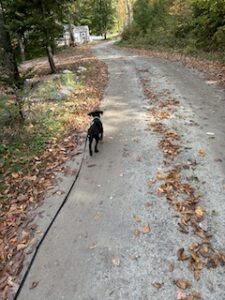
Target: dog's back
[(96, 128)]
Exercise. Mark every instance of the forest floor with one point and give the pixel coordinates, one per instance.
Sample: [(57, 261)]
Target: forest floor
[(145, 220)]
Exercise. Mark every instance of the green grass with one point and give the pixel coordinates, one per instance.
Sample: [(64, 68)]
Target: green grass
[(49, 86), (20, 142)]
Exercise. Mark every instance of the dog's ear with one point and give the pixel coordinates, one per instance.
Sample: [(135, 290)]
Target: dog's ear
[(90, 114)]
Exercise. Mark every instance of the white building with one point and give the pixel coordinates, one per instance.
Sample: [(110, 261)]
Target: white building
[(80, 33)]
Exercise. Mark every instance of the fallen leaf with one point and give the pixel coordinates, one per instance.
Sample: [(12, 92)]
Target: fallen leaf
[(21, 247), (171, 267), (60, 193), (196, 295), (151, 181), (157, 285), (116, 261), (182, 283), (199, 212), (15, 175), (136, 140), (197, 275), (201, 152), (137, 218), (159, 175), (134, 257), (205, 250), (181, 255), (92, 247), (181, 295), (218, 160), (97, 216), (136, 232), (146, 228), (34, 285)]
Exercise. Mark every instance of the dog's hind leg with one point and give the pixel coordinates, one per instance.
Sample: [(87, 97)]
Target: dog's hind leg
[(90, 146), (101, 132), (96, 144)]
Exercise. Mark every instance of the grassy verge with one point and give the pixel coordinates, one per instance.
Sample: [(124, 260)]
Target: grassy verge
[(49, 119), (188, 51)]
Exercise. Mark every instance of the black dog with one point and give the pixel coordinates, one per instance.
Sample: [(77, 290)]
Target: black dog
[(95, 131)]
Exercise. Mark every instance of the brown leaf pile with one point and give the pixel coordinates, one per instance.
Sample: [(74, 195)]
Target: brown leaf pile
[(200, 254), (160, 114), (169, 149), (184, 200), (24, 192), (149, 94), (158, 127), (169, 103)]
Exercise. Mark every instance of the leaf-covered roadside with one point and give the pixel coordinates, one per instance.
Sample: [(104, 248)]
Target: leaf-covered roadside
[(33, 153), (172, 183)]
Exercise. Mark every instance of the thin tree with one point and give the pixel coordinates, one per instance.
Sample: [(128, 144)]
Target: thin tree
[(103, 17)]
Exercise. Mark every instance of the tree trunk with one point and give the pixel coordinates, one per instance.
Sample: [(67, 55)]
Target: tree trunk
[(22, 47), (72, 39), (50, 59), (6, 43), (53, 48), (11, 64), (105, 36), (47, 41), (129, 12)]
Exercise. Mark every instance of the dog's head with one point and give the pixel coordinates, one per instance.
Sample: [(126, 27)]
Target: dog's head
[(96, 113)]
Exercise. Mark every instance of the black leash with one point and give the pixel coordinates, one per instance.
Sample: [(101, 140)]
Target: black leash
[(49, 226)]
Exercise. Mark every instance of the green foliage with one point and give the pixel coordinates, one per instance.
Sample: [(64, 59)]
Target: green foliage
[(103, 17), (142, 14), (191, 24), (99, 15), (45, 89), (208, 23), (130, 32), (9, 110)]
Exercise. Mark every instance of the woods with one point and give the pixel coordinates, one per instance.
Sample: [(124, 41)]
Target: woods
[(191, 25)]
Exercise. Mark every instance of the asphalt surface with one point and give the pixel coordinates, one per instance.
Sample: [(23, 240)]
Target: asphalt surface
[(92, 251)]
